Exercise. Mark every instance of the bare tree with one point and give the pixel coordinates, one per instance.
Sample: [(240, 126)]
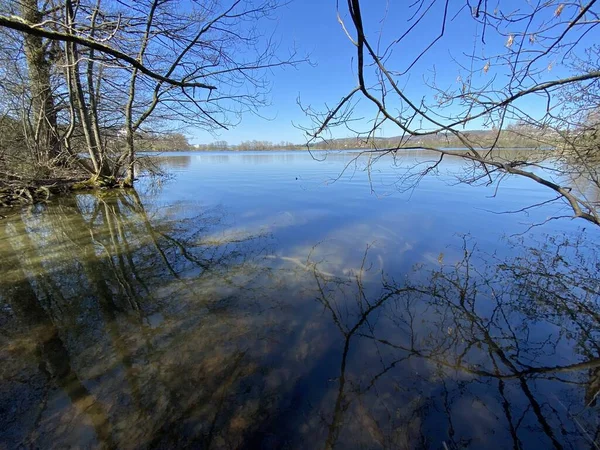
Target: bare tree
[(39, 68), (165, 64), (27, 95), (507, 60)]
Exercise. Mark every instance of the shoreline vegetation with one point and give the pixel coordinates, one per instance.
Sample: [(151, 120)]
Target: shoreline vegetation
[(16, 191), (90, 78)]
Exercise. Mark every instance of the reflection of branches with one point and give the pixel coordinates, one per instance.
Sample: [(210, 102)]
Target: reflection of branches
[(180, 253), (496, 324), (187, 344), (326, 297), (114, 270), (50, 350)]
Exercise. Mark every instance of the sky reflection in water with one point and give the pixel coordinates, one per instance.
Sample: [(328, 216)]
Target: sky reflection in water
[(251, 303)]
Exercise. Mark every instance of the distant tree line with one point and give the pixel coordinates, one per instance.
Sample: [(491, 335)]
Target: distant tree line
[(517, 135), (254, 145)]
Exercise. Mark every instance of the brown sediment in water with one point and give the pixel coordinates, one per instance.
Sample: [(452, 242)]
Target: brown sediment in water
[(17, 191)]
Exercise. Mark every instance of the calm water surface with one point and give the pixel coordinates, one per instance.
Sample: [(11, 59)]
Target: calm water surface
[(252, 302)]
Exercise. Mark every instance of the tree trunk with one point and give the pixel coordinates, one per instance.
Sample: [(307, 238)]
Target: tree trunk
[(87, 118), (46, 142)]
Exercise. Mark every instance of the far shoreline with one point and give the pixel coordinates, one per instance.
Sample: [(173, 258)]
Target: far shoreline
[(352, 150)]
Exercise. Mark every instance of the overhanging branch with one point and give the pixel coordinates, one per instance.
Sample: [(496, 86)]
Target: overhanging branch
[(18, 24)]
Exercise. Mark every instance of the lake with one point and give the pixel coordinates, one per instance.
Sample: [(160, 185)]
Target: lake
[(281, 300)]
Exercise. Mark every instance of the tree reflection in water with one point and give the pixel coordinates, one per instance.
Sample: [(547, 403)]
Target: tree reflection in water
[(131, 327), (135, 319), (495, 353)]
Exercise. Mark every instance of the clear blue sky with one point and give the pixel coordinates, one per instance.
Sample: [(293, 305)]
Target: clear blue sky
[(312, 26)]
